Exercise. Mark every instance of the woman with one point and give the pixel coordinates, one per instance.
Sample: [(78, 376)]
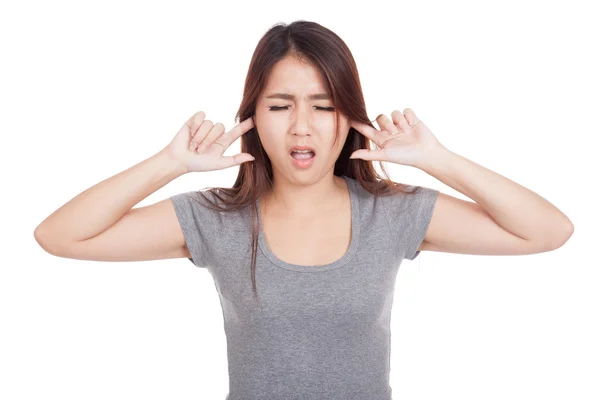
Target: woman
[(305, 247)]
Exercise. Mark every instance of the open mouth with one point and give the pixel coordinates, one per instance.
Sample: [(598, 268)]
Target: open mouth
[(302, 158), (302, 155)]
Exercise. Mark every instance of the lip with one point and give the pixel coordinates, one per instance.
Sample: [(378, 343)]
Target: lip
[(302, 148), (303, 163)]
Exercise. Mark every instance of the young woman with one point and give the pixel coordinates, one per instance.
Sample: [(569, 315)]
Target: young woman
[(305, 247)]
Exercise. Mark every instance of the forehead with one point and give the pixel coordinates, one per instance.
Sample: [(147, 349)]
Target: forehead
[(296, 78)]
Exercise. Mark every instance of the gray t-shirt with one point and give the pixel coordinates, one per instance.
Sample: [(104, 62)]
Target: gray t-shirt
[(320, 332)]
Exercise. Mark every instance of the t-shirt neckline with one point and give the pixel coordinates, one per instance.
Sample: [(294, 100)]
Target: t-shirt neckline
[(354, 241)]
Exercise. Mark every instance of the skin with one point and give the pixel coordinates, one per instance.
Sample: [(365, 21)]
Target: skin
[(298, 191)]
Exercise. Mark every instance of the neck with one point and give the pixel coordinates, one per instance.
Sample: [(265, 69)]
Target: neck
[(298, 199)]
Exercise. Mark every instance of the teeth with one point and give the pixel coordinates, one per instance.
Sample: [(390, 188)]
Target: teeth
[(302, 151)]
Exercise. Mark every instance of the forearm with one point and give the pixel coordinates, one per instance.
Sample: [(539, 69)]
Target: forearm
[(517, 209), (99, 207)]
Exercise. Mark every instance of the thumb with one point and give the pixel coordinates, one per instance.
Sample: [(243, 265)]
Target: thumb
[(238, 159), (372, 155)]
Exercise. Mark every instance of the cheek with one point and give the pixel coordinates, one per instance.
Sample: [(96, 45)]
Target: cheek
[(271, 142), (342, 137)]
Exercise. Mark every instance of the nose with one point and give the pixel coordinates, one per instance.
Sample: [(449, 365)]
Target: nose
[(300, 125)]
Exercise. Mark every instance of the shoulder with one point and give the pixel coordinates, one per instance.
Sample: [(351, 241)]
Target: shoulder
[(411, 198), (409, 214), (201, 208)]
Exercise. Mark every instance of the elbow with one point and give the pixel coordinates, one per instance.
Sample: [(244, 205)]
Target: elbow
[(37, 234), (568, 232), (562, 237), (552, 240), (39, 238), (43, 240)]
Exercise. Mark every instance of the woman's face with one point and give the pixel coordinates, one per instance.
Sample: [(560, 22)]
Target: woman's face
[(286, 116)]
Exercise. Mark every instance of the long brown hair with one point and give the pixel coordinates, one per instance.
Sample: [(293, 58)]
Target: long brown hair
[(309, 42)]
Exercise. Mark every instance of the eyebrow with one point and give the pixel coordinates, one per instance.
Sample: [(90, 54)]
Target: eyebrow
[(287, 96)]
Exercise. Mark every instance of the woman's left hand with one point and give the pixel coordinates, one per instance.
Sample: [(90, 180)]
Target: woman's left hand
[(403, 140)]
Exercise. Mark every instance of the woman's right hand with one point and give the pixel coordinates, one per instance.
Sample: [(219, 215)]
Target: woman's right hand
[(199, 145)]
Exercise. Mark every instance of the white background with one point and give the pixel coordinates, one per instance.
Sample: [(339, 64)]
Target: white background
[(90, 89)]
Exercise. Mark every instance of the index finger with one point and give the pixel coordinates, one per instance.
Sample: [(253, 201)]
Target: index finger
[(365, 129), (238, 130)]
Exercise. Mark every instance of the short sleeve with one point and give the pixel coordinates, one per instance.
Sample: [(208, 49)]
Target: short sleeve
[(409, 218), (194, 221)]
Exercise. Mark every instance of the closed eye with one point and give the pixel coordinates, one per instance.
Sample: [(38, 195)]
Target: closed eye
[(277, 108)]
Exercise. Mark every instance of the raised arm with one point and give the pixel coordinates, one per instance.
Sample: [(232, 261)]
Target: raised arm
[(101, 223), (105, 204)]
